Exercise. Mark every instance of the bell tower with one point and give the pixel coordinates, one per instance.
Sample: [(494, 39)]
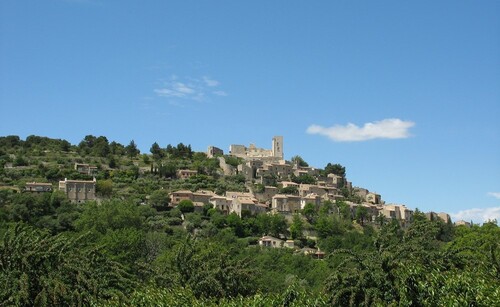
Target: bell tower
[(278, 147)]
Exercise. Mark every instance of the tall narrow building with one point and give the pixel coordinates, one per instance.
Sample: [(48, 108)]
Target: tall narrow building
[(277, 148)]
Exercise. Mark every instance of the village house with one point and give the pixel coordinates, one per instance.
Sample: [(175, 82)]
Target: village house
[(177, 196), (200, 197), (223, 204), (269, 241), (267, 194), (38, 187), (285, 204), (281, 171), (78, 190), (312, 198), (335, 180), (186, 173), (86, 169), (203, 196), (303, 170), (249, 169), (399, 212), (290, 184), (305, 189), (373, 198), (245, 202)]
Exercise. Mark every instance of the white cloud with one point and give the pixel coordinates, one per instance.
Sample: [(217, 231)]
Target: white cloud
[(391, 128), (220, 93), (210, 82), (477, 215), (177, 88), (494, 194)]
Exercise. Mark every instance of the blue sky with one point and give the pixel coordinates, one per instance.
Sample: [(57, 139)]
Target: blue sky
[(405, 95)]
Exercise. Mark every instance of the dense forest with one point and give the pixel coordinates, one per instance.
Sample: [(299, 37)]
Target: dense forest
[(130, 247)]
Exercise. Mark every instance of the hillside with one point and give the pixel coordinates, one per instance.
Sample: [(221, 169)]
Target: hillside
[(102, 223)]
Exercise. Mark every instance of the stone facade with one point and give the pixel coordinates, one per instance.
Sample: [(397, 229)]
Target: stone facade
[(268, 241), (186, 173), (252, 152), (213, 151), (86, 169), (78, 190), (38, 187)]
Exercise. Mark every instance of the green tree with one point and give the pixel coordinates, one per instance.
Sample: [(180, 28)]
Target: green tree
[(297, 227), (289, 190), (159, 199), (336, 169), (156, 151), (210, 271), (299, 161), (186, 206), (43, 270), (104, 187), (109, 215), (309, 212), (131, 149), (361, 214)]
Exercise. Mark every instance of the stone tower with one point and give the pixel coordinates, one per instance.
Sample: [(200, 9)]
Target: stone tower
[(277, 148)]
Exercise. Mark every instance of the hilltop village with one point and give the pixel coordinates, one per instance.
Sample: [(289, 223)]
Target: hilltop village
[(273, 185), (286, 187)]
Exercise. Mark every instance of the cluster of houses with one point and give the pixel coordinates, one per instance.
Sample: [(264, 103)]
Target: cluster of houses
[(263, 166), (77, 191), (270, 200), (267, 165)]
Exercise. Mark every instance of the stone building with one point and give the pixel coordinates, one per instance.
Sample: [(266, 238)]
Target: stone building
[(86, 169), (186, 173), (78, 190), (463, 223), (200, 197), (286, 203), (38, 187), (252, 152), (213, 151)]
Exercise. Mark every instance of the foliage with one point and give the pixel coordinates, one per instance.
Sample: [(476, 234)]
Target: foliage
[(159, 199), (303, 179), (104, 187), (299, 161), (44, 270), (185, 206), (109, 215), (233, 161), (336, 169), (292, 190), (297, 227)]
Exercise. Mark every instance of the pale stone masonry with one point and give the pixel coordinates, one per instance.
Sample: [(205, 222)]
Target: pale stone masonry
[(463, 223), (186, 173), (213, 151), (38, 187), (445, 217), (78, 190), (201, 196), (268, 241), (86, 169), (252, 152)]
